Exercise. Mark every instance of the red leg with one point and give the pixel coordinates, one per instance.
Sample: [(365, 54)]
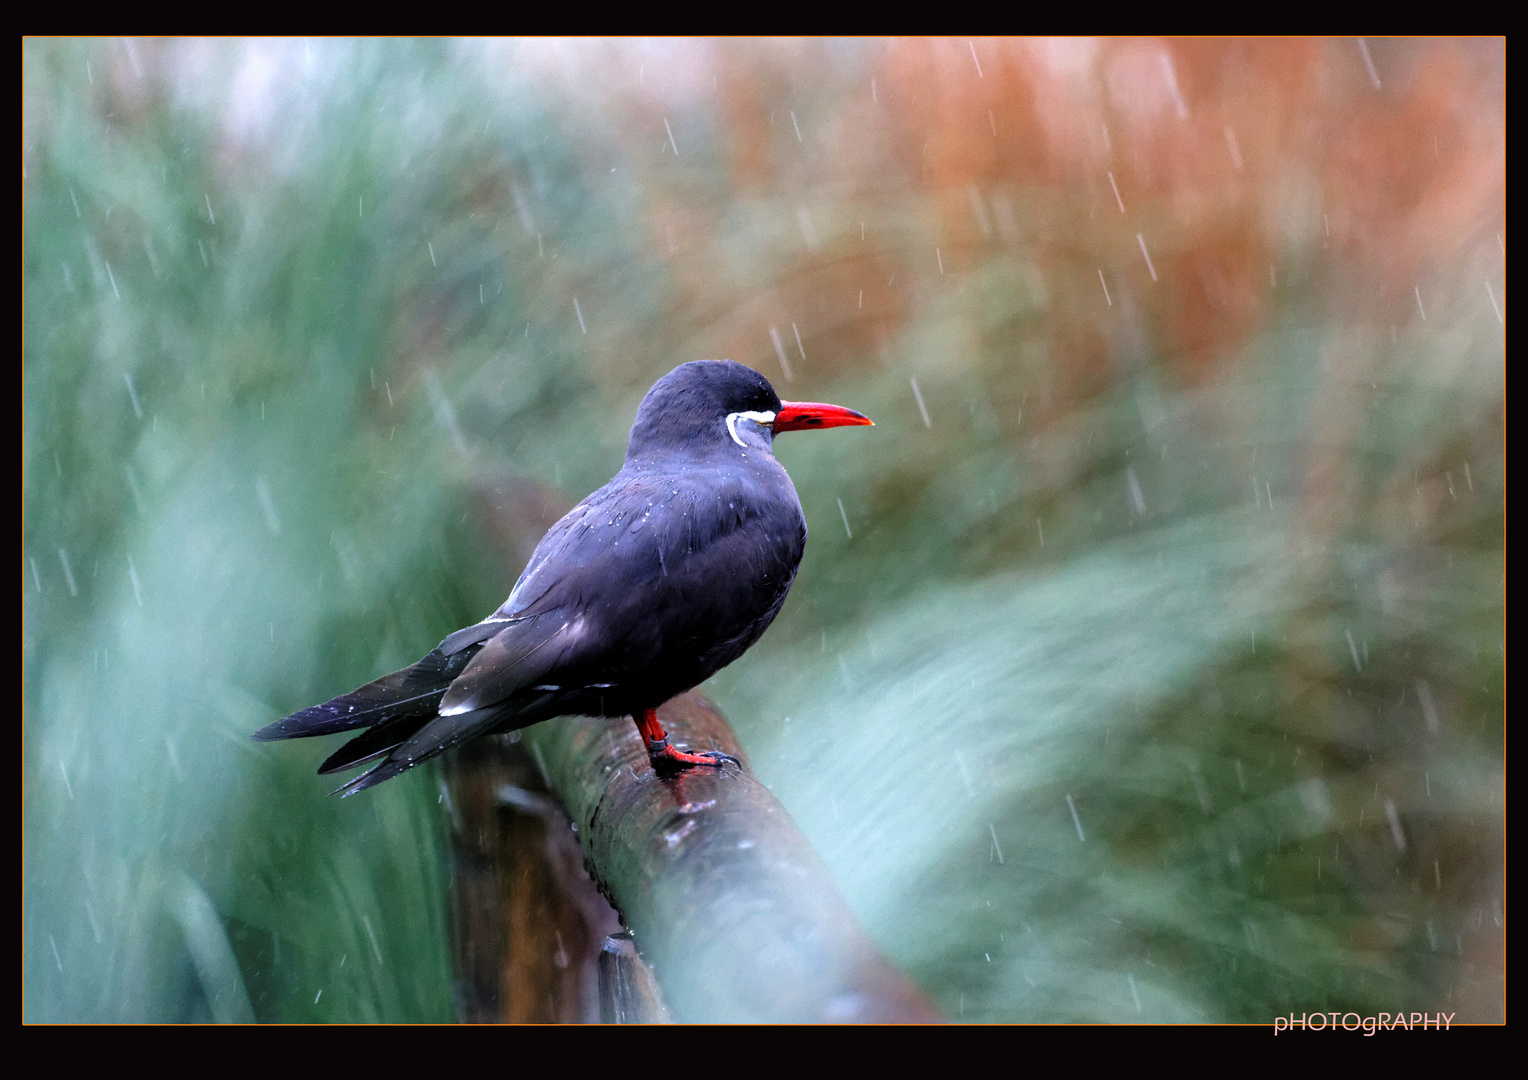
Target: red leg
[(661, 753)]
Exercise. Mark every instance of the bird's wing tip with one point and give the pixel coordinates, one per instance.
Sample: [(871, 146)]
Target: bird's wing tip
[(385, 769), (355, 784)]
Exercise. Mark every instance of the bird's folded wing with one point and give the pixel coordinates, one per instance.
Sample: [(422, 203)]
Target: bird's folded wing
[(605, 542), (471, 635), (639, 567), (547, 564), (515, 659)]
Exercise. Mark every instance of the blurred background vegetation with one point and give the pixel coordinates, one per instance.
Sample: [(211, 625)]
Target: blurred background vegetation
[(1146, 662)]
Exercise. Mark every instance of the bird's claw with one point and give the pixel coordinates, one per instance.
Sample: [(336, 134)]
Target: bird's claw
[(673, 759)]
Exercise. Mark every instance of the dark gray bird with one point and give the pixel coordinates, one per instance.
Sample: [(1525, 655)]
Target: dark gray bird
[(644, 590)]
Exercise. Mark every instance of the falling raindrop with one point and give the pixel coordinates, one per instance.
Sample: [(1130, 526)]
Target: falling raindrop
[(1233, 146), (922, 408), (1076, 821), (785, 364), (1200, 789), (965, 777), (1171, 75), (1494, 305), (1363, 47), (152, 256), (1140, 239), (1394, 818), (132, 393), (808, 233), (1137, 500), (63, 557), (267, 506), (372, 934), (1429, 706)]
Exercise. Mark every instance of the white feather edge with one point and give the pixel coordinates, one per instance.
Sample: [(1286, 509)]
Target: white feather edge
[(765, 418)]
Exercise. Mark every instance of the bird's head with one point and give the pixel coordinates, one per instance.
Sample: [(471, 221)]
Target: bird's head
[(714, 404)]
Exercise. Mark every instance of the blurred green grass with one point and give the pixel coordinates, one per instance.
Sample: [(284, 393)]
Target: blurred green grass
[(1146, 686)]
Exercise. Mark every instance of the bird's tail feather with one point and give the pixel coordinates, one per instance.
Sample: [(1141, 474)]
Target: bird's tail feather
[(412, 744), (413, 693), (374, 743), (401, 714)]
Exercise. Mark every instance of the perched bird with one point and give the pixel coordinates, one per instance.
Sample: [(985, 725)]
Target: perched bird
[(644, 590)]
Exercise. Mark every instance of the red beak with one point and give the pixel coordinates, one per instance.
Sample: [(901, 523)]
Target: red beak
[(798, 415)]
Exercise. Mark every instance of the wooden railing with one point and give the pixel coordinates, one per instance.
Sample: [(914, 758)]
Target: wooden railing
[(589, 888)]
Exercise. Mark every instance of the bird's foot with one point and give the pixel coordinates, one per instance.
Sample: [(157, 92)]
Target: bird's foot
[(671, 759)]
